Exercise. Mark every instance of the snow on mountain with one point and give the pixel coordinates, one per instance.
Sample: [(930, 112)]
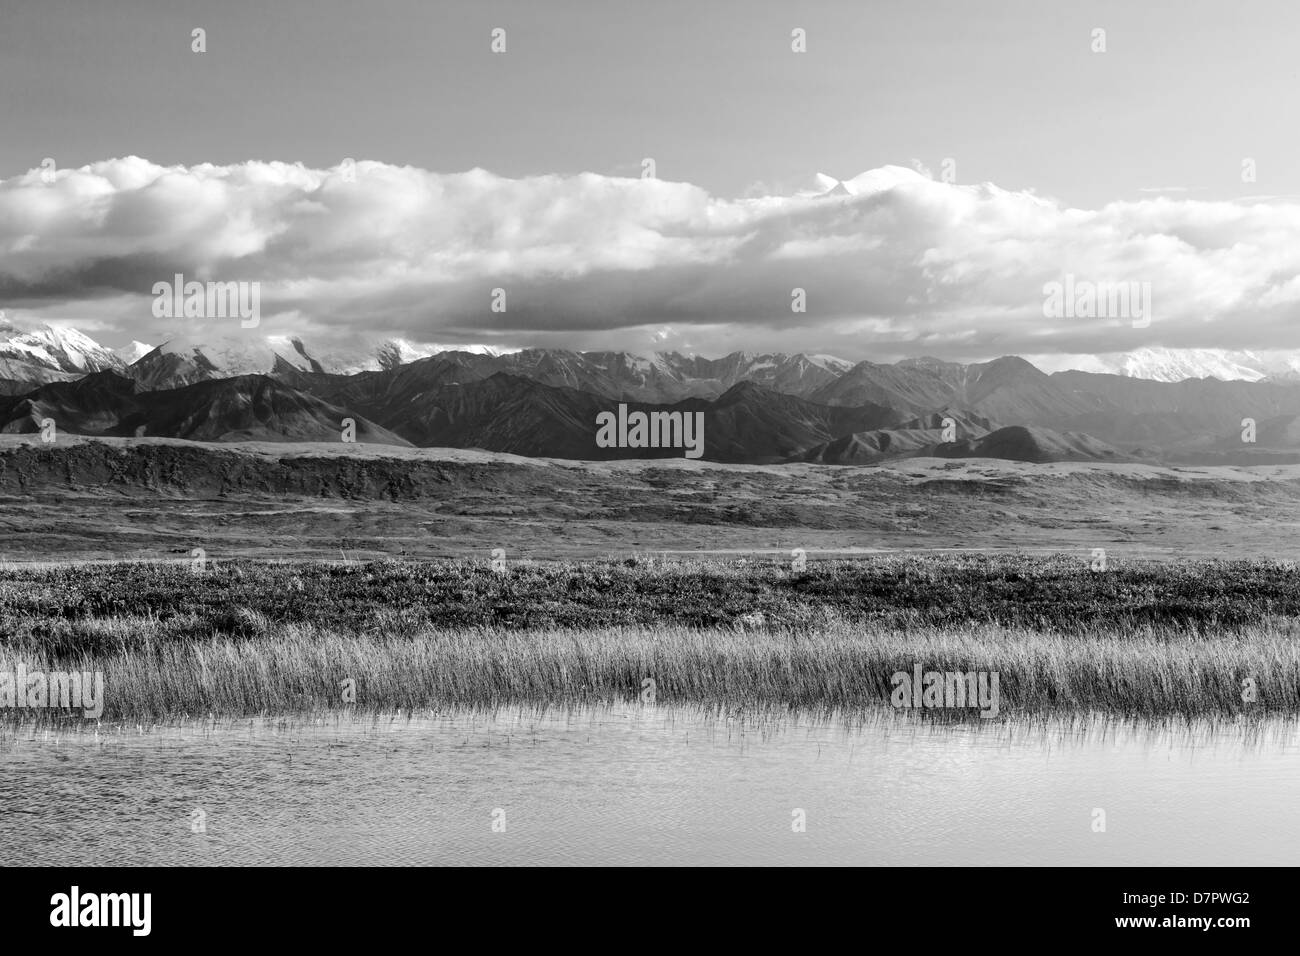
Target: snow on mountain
[(1176, 365), (396, 352), (58, 349), (830, 363), (248, 355), (886, 177), (18, 377), (864, 184), (260, 354), (185, 360), (133, 352), (821, 185), (659, 376), (796, 374)]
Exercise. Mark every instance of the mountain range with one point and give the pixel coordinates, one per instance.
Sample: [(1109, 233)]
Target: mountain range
[(1176, 365), (544, 402)]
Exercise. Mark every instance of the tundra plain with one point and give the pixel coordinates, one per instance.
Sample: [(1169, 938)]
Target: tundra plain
[(105, 499)]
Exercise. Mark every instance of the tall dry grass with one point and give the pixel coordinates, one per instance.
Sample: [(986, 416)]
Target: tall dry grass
[(842, 665), (245, 638)]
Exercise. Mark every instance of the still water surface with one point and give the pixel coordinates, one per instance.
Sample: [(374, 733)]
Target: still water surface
[(630, 785)]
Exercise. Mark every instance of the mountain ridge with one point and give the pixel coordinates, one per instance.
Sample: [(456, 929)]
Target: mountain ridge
[(758, 407)]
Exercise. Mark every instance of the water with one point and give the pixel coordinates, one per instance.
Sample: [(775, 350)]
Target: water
[(629, 785)]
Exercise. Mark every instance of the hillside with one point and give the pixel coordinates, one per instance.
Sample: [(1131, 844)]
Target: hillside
[(918, 436), (1032, 444), (247, 408)]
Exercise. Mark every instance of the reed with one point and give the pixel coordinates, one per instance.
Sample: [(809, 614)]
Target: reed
[(1143, 639), (302, 668)]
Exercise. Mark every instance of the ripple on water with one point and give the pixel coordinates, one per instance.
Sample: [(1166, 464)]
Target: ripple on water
[(629, 785)]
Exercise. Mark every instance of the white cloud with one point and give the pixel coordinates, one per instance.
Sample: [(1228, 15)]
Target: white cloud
[(891, 260)]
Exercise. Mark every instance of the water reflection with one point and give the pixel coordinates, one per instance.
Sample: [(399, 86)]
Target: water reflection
[(629, 785)]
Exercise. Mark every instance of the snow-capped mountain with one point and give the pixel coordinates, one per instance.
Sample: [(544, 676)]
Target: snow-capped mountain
[(133, 352), (55, 348), (183, 361), (872, 181), (395, 352), (257, 355), (667, 376), (30, 352), (19, 378), (797, 374), (1176, 365)]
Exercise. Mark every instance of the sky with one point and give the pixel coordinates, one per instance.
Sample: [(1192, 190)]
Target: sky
[(1009, 153)]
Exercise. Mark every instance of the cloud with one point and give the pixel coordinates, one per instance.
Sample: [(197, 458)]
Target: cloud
[(891, 262)]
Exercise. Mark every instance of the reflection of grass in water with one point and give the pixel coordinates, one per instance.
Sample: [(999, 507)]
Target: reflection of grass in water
[(844, 666), (1089, 730), (525, 726)]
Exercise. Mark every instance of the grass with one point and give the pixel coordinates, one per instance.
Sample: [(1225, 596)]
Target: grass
[(302, 668), (245, 639), (58, 606)]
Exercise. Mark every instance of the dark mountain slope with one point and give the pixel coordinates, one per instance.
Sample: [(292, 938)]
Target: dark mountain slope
[(509, 413), (916, 436), (1008, 389), (245, 408)]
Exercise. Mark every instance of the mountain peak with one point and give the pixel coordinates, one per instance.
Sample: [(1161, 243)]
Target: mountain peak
[(1161, 364), (928, 362), (1010, 364), (130, 354), (864, 184), (56, 348)]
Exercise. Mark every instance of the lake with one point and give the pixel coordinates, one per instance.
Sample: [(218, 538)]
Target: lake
[(625, 784)]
